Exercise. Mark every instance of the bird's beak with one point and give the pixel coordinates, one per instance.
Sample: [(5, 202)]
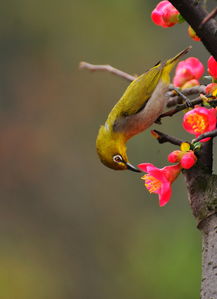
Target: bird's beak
[(131, 167)]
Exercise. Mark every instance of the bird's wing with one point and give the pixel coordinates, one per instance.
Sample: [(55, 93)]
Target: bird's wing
[(140, 121), (135, 98), (139, 91)]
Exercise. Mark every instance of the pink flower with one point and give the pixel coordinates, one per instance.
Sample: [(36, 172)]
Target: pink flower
[(193, 34), (165, 14), (186, 70), (212, 67), (200, 120), (211, 89), (186, 159), (159, 180)]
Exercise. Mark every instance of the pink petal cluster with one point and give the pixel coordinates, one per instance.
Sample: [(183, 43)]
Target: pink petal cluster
[(193, 34), (159, 180), (165, 14), (200, 120), (212, 67), (186, 159), (186, 70)]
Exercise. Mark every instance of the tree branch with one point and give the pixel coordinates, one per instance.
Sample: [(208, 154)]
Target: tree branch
[(179, 108), (107, 68), (175, 99), (162, 138), (194, 13), (205, 135), (211, 15)]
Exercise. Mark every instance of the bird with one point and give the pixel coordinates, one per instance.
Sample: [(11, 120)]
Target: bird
[(139, 107)]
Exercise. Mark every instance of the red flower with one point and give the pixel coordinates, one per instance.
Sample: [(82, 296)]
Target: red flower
[(200, 120), (159, 180), (193, 34), (165, 14), (186, 70), (212, 67)]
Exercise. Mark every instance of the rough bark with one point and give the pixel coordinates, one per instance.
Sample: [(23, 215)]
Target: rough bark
[(209, 258), (202, 194)]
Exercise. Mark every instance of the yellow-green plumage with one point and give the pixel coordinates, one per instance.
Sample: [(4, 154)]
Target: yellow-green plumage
[(139, 107)]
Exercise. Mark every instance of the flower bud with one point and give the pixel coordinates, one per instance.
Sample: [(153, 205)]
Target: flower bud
[(165, 14), (188, 160), (191, 83), (193, 34), (211, 89), (174, 156)]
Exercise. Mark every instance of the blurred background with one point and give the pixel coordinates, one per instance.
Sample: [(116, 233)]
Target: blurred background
[(71, 228)]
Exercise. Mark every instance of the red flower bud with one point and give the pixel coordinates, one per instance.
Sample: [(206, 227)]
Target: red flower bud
[(165, 14), (188, 160), (193, 34), (175, 156)]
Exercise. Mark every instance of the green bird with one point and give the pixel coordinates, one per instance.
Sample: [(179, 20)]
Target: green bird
[(139, 107)]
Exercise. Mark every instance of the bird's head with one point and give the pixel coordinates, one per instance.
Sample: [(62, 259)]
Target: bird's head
[(111, 149)]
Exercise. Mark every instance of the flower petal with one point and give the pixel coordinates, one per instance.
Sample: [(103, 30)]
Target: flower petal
[(165, 194), (212, 67)]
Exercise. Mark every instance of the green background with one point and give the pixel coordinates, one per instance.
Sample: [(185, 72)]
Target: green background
[(71, 228)]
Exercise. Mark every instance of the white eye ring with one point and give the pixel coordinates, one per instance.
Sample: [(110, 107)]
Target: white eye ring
[(117, 158)]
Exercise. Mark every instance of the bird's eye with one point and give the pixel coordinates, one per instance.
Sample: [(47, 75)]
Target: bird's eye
[(117, 158)]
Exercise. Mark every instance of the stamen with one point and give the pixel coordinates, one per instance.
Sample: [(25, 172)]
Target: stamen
[(198, 122), (151, 183)]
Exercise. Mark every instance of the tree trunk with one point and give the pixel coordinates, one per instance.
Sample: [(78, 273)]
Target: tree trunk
[(194, 13), (202, 194), (209, 258)]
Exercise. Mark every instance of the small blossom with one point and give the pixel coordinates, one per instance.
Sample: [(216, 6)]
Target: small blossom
[(159, 180), (200, 120), (211, 89), (193, 34), (186, 70), (188, 160), (165, 14), (212, 67)]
